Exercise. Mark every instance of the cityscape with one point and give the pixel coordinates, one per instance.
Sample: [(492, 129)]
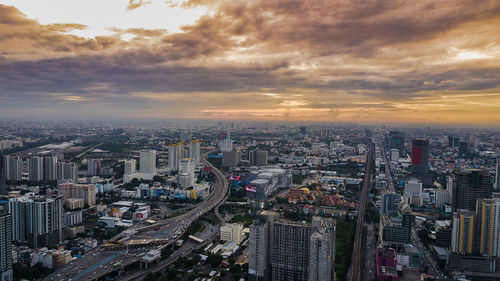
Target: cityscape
[(261, 140)]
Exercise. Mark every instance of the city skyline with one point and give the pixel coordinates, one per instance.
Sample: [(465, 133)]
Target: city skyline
[(297, 61)]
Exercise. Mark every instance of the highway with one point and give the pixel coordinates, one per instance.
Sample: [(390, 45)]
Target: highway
[(157, 236), (357, 267)]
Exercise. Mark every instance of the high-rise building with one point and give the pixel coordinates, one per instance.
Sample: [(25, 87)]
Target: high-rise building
[(50, 168), (175, 154), (420, 156), (13, 166), (5, 242), (396, 140), (83, 191), (497, 175), (488, 227), (36, 169), (390, 204), (3, 185), (462, 235), (194, 150), (396, 230), (441, 197), (231, 158), (469, 186), (303, 130), (285, 250), (147, 163), (413, 188), (463, 148), (38, 220), (257, 158), (129, 167), (185, 177), (67, 171), (232, 232), (94, 167)]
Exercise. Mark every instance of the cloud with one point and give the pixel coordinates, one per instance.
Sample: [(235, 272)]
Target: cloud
[(307, 60)]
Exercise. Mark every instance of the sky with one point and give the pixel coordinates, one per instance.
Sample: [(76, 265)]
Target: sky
[(365, 61)]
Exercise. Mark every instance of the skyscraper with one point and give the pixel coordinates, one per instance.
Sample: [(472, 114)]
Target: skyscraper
[(420, 156), (175, 154), (396, 140), (286, 250), (469, 186), (488, 227), (94, 167), (5, 242), (50, 168), (13, 166), (82, 191), (497, 175), (36, 169), (257, 157), (67, 171), (147, 163), (129, 166), (462, 236), (194, 150), (37, 219), (185, 177)]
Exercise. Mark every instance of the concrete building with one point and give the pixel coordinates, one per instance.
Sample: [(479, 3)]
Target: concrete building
[(462, 235), (394, 153), (83, 191), (175, 154), (226, 145), (231, 158), (232, 232), (413, 188), (395, 231), (67, 171), (488, 227), (6, 273), (420, 156), (35, 173), (38, 220), (257, 157), (50, 168), (186, 177), (497, 175), (386, 264), (129, 166), (396, 140), (441, 197), (12, 167), (147, 164), (194, 150), (74, 203), (390, 204), (469, 186), (285, 250), (94, 167)]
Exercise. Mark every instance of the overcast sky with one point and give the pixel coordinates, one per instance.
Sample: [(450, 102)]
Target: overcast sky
[(312, 60)]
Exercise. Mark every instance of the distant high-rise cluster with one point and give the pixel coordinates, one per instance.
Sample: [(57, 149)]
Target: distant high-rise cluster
[(282, 250), (40, 168)]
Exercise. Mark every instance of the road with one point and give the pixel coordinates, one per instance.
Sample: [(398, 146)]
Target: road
[(356, 272), (428, 258), (147, 238)]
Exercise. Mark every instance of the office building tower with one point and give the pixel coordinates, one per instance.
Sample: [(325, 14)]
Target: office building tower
[(420, 156), (497, 175), (413, 188), (94, 167), (67, 171), (285, 250), (231, 158), (303, 130), (488, 227), (396, 230), (194, 150), (257, 158), (36, 169), (175, 154), (462, 235), (49, 168), (232, 232), (38, 220), (6, 273), (441, 197), (129, 166), (469, 186), (86, 192), (463, 148), (12, 167), (390, 204), (396, 140), (147, 163)]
